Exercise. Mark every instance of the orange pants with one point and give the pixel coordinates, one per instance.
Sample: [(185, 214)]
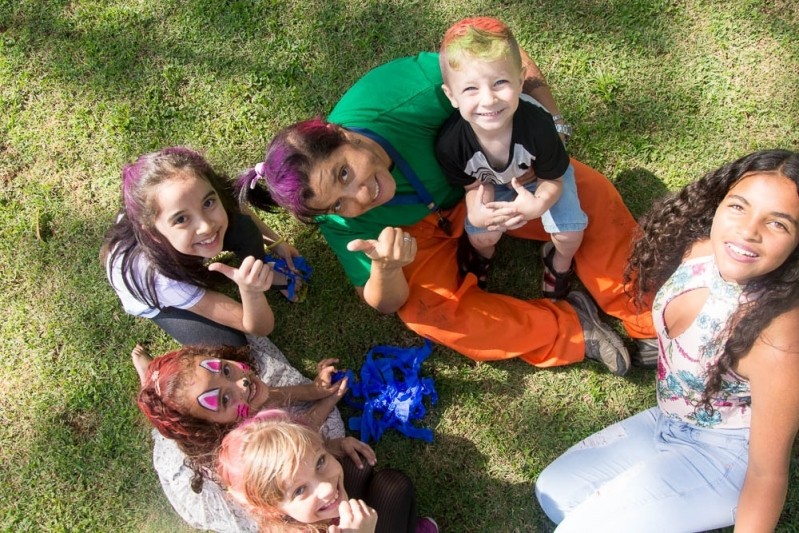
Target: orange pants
[(487, 326)]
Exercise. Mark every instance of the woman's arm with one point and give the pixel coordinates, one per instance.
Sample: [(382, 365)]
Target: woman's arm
[(536, 86), (772, 367), (386, 289)]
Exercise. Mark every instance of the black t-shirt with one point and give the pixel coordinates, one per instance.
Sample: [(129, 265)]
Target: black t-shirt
[(534, 143)]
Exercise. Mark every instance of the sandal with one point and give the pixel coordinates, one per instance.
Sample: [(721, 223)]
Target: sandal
[(471, 261), (554, 285), (295, 289)]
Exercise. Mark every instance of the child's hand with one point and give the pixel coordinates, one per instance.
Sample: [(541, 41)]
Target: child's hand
[(354, 449), (355, 516), (252, 276), (511, 215), (324, 374)]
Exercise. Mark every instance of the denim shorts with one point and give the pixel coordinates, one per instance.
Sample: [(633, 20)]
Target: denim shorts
[(565, 215)]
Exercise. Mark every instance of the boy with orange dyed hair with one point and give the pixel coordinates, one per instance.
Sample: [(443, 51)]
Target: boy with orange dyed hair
[(505, 149)]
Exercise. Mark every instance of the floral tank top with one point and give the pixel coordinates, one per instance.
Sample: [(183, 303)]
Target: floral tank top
[(683, 360)]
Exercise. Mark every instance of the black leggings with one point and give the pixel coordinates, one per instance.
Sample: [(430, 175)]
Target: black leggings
[(244, 239), (190, 328), (388, 491)]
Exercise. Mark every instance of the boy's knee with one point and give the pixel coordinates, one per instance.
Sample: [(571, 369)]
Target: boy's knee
[(488, 238)]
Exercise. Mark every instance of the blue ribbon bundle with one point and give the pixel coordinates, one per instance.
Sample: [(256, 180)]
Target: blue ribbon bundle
[(303, 271), (390, 392)]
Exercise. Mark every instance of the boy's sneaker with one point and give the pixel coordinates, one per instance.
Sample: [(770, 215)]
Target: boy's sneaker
[(601, 342), (426, 525), (646, 356)]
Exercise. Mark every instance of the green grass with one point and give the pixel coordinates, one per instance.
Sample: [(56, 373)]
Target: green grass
[(659, 91)]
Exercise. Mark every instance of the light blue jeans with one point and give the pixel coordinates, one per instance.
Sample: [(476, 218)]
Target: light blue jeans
[(565, 215), (647, 473)]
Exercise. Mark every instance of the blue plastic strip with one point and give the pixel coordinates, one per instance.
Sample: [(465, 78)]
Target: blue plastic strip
[(390, 392), (303, 271)]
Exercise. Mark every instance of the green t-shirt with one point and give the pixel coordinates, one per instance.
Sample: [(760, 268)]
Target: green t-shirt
[(401, 101)]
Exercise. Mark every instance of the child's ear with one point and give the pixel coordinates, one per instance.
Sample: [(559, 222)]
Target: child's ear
[(449, 95)]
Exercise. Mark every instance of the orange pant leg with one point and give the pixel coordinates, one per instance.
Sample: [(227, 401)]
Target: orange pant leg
[(482, 326), (602, 256)]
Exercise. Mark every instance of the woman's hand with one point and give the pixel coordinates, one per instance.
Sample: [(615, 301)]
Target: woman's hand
[(356, 517), (392, 250), (354, 449), (253, 276)]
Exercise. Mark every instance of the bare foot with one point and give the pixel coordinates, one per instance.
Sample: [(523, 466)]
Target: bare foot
[(141, 360)]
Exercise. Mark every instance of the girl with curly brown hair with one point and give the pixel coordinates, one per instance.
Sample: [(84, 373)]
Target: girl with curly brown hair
[(722, 255)]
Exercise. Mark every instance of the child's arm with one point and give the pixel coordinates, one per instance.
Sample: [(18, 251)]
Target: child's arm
[(321, 388), (253, 315), (772, 367), (526, 206), (352, 448)]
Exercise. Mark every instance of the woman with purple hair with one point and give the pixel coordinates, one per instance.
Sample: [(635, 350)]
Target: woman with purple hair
[(368, 176)]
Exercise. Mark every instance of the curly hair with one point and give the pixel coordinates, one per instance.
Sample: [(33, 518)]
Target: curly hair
[(258, 458), (675, 223), (162, 400), (134, 236)]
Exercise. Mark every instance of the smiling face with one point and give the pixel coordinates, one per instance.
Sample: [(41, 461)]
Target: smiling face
[(190, 215), (316, 490), (353, 179), (756, 226), (486, 93), (224, 391)]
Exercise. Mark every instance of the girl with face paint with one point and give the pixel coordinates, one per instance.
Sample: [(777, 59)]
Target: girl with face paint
[(196, 395)]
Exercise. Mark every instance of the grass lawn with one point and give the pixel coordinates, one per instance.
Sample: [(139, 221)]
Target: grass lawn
[(659, 91)]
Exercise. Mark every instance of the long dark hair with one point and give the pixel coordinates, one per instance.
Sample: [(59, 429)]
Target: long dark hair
[(675, 223), (133, 237)]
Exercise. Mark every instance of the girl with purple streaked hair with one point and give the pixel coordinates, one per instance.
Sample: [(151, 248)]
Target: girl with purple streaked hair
[(177, 214)]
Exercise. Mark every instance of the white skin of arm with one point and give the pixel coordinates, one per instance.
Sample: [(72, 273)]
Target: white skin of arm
[(253, 315), (386, 289), (772, 367)]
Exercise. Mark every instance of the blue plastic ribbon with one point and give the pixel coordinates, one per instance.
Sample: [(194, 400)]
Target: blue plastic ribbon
[(390, 392), (302, 270)]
